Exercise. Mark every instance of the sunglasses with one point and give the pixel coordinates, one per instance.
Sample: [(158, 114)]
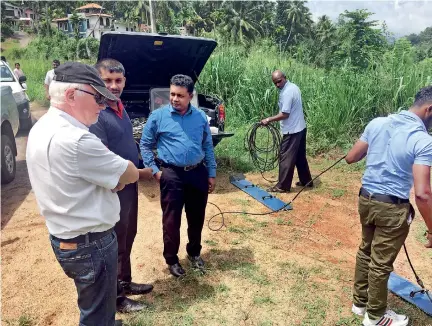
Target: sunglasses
[(98, 98)]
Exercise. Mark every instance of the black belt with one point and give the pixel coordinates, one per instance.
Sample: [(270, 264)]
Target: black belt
[(382, 198), (183, 168), (92, 236)]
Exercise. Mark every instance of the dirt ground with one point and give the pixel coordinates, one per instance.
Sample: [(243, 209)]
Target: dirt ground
[(270, 270)]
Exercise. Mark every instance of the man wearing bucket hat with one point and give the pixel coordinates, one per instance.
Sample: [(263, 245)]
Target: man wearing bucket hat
[(75, 177)]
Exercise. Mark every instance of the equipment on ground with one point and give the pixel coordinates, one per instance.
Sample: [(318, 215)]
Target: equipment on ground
[(274, 203), (406, 290)]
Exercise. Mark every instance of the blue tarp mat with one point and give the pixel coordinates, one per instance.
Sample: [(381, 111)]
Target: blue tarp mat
[(402, 288), (259, 194)]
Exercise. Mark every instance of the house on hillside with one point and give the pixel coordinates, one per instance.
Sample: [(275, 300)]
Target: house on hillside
[(94, 22), (18, 16)]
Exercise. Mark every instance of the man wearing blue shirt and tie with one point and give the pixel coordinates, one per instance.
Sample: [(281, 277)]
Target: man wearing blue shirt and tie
[(181, 134), (398, 154)]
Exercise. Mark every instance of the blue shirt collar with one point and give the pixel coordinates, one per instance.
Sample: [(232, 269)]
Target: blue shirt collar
[(286, 84), (413, 116), (172, 110)]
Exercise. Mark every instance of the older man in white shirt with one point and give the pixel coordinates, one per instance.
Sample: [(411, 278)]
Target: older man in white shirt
[(74, 177)]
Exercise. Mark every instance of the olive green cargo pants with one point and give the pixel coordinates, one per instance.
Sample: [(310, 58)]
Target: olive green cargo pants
[(384, 230)]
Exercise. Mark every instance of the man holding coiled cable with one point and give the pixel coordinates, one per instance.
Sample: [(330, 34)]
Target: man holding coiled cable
[(293, 127), (398, 151)]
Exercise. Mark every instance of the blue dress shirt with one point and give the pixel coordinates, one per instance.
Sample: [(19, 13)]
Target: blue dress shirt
[(180, 140)]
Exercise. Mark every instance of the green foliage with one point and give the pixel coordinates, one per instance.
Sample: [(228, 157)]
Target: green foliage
[(6, 31), (337, 103)]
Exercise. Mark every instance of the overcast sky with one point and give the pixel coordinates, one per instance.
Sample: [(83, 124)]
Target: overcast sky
[(402, 17)]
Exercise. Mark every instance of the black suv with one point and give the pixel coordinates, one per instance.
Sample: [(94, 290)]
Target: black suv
[(150, 61)]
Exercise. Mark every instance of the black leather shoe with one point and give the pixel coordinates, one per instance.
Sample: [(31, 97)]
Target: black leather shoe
[(135, 288), (196, 262), (176, 270), (299, 184), (128, 305)]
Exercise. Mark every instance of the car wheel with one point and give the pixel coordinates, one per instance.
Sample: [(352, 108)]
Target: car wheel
[(8, 162)]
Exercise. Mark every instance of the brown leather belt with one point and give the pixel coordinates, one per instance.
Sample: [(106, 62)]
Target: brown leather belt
[(382, 198)]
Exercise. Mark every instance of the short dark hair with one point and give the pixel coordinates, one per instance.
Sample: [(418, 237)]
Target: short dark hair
[(17, 63), (56, 61), (183, 81), (423, 96), (3, 58), (111, 65)]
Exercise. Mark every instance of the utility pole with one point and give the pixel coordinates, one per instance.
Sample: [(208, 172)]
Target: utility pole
[(152, 18)]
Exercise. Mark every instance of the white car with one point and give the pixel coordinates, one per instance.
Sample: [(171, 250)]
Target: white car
[(18, 86), (9, 129)]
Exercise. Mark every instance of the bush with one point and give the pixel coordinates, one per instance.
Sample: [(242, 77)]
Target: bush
[(6, 31)]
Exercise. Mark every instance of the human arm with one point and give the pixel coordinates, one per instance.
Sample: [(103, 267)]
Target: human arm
[(98, 165), (357, 152), (209, 157), (287, 99), (145, 174), (277, 117), (360, 148), (423, 196), (422, 187), (148, 142)]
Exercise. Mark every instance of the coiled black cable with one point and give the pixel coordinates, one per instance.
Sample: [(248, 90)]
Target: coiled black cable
[(263, 145)]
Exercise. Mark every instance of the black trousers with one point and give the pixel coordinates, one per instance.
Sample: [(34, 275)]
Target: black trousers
[(183, 188), (293, 154), (126, 229)]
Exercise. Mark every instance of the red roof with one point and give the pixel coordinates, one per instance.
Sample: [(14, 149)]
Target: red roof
[(90, 6)]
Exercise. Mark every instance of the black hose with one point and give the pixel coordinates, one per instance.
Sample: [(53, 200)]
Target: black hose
[(263, 147)]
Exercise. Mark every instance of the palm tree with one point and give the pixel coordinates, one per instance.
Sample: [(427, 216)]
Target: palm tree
[(239, 24), (299, 18)]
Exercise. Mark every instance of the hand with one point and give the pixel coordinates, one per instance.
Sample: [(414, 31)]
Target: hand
[(265, 122), (119, 187), (48, 97), (157, 176), (212, 184), (145, 174), (429, 238)]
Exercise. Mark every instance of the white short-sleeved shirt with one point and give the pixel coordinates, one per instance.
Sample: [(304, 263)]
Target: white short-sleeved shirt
[(49, 77), (72, 174), (290, 101)]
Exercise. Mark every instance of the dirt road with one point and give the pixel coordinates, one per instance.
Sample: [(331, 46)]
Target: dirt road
[(262, 270)]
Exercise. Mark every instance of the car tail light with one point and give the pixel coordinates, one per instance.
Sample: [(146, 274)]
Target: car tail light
[(221, 112)]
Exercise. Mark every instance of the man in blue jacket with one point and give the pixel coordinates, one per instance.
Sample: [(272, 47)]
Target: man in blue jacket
[(114, 128), (181, 134)]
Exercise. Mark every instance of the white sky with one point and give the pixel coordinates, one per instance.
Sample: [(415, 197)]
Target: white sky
[(401, 16)]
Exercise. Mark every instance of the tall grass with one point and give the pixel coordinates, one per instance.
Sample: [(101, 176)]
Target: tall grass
[(337, 104)]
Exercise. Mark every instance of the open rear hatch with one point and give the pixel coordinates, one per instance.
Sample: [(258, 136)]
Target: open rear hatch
[(150, 60)]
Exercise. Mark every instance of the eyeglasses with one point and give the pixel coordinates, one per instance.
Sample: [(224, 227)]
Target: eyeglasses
[(98, 98)]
